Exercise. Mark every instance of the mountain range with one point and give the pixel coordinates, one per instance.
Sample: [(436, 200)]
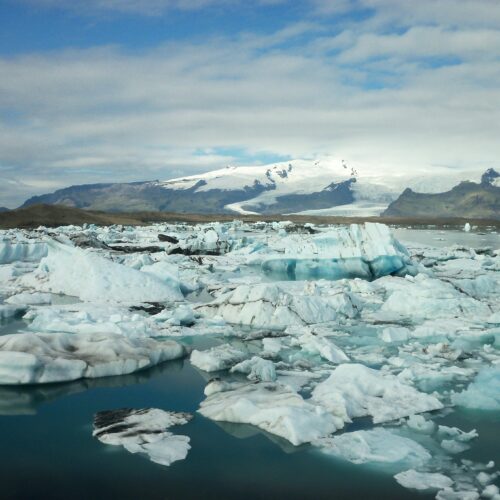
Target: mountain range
[(329, 187)]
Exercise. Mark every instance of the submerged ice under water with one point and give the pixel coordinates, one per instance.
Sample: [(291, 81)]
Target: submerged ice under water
[(379, 387)]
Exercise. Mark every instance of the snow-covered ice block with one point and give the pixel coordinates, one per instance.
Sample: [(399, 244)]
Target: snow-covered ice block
[(423, 480), (366, 251), (272, 407), (29, 358), (84, 274), (483, 393), (376, 446), (256, 368), (354, 390), (145, 432), (217, 358)]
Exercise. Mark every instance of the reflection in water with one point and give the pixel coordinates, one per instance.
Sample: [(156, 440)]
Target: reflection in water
[(246, 431), (24, 400)]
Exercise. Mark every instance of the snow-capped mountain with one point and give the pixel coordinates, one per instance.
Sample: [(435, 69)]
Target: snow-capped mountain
[(330, 186)]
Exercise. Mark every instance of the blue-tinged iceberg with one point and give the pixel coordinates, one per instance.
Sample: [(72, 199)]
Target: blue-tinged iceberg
[(366, 251)]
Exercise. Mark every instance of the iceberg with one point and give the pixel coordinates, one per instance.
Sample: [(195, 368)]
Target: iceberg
[(275, 306), (217, 358), (366, 251), (354, 390), (423, 480), (376, 446), (92, 278), (24, 251), (30, 358), (256, 368), (272, 407), (144, 432)]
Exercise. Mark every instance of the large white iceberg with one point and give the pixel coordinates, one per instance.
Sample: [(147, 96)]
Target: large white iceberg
[(29, 358), (84, 274)]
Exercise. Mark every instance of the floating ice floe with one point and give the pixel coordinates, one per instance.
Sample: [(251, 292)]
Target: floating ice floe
[(84, 274), (366, 251), (30, 358), (354, 390), (376, 446), (423, 480), (272, 407), (144, 432)]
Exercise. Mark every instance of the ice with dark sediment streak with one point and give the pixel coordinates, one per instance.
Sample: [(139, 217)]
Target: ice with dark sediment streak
[(145, 432), (31, 358), (270, 406)]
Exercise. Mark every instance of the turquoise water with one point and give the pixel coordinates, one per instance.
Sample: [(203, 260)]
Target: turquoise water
[(51, 453)]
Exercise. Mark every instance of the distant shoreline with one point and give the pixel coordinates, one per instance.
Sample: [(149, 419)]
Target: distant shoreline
[(58, 215)]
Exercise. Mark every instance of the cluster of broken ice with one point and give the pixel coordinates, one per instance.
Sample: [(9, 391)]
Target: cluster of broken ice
[(308, 330)]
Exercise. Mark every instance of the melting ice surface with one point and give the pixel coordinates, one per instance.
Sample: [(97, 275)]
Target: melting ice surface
[(317, 362)]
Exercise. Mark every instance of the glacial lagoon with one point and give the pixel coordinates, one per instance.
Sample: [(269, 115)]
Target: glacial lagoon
[(48, 450)]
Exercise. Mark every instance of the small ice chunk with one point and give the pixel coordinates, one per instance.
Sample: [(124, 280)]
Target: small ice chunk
[(491, 491), (423, 480), (145, 432), (256, 368), (482, 393), (420, 424), (217, 358), (322, 346), (375, 446)]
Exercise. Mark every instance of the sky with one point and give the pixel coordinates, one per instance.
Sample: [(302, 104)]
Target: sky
[(128, 90)]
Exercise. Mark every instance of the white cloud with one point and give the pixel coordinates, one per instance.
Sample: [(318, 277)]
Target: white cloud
[(104, 114)]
